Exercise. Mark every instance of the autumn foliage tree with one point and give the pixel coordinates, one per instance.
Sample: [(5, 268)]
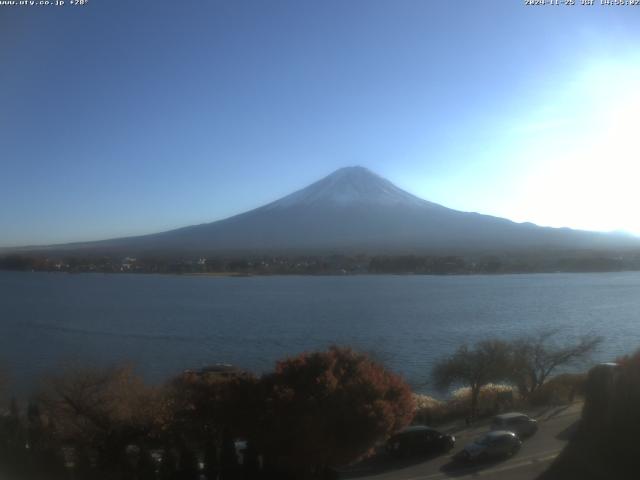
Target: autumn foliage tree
[(325, 409), (101, 411), (208, 411), (315, 411), (204, 404)]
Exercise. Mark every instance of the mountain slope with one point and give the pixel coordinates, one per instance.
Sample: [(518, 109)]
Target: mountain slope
[(354, 209)]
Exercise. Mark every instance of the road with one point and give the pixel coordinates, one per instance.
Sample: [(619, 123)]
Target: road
[(555, 427)]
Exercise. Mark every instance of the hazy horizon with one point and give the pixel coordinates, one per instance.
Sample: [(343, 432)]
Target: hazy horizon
[(123, 119)]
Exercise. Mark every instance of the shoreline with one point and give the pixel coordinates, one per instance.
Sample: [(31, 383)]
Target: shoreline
[(328, 274)]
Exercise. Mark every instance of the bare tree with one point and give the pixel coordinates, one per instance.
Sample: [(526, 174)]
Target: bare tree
[(536, 357), (486, 362), (101, 409)]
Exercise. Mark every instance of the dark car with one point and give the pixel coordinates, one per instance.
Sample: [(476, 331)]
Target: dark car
[(496, 444), (419, 440)]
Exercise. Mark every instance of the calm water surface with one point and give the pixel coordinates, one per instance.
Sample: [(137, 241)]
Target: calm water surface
[(164, 324)]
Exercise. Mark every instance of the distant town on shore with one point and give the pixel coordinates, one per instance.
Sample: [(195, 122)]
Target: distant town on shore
[(333, 264)]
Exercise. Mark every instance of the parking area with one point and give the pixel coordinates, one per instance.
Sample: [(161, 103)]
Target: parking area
[(556, 424)]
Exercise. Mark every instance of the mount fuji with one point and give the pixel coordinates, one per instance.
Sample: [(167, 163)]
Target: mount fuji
[(355, 210)]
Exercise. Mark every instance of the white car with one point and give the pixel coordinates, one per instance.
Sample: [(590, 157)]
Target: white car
[(518, 423)]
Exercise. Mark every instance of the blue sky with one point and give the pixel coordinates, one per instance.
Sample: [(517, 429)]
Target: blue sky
[(120, 117)]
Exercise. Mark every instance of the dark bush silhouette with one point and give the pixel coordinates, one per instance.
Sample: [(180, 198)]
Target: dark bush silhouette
[(606, 444)]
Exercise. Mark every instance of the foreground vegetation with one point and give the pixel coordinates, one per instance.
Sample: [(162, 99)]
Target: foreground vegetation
[(526, 363), (314, 412)]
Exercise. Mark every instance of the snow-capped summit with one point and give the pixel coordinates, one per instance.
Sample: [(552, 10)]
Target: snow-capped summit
[(350, 186)]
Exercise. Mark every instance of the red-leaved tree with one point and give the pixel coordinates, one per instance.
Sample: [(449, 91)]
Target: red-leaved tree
[(325, 409)]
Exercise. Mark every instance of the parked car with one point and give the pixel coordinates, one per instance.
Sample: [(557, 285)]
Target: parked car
[(518, 423), (495, 444), (419, 439)]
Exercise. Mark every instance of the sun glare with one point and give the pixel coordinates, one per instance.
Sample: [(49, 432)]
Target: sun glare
[(592, 183)]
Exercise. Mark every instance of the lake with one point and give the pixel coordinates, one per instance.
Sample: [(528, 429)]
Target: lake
[(164, 324)]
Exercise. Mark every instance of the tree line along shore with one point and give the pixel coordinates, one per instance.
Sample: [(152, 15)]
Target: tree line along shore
[(542, 261)]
